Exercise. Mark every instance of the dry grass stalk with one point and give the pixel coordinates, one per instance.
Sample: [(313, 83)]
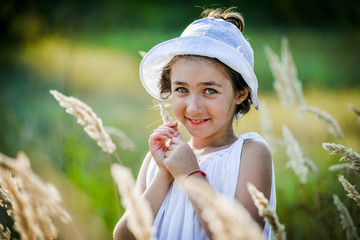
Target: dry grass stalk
[(280, 84), (93, 125), (339, 166), (352, 193), (287, 85), (4, 233), (355, 110), (348, 154), (267, 127), (164, 113), (121, 137), (290, 69), (139, 211), (346, 220), (311, 165), (34, 202), (227, 219), (5, 201), (267, 212), (22, 213), (297, 161), (334, 127)]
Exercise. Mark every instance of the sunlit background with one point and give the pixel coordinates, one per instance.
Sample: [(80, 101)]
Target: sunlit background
[(90, 50)]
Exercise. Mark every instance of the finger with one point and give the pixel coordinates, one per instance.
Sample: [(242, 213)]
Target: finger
[(178, 134), (167, 129), (170, 128), (170, 124), (171, 147), (176, 140), (162, 134)]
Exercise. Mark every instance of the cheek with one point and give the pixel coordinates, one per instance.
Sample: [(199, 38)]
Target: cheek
[(177, 106), (226, 109)]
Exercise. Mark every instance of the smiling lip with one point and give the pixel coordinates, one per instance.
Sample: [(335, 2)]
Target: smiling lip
[(197, 122)]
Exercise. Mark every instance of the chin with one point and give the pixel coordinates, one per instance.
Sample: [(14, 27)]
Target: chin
[(198, 134)]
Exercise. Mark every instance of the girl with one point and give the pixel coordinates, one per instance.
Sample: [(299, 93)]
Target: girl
[(207, 73)]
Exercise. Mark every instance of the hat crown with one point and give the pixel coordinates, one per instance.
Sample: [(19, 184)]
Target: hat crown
[(222, 31)]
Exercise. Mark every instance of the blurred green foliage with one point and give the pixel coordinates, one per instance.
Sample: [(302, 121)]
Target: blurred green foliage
[(26, 18), (324, 38)]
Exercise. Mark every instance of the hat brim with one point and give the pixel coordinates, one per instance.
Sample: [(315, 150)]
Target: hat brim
[(156, 59)]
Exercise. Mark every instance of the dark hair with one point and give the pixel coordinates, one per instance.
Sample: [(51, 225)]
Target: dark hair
[(228, 15), (237, 80)]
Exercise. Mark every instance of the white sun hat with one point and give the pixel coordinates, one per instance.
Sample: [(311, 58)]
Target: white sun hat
[(209, 37)]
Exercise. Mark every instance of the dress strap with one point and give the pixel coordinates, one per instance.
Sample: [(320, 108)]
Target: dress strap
[(231, 168), (252, 135)]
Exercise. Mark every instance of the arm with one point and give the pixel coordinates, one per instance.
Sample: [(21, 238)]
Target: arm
[(156, 192), (197, 208), (181, 161), (256, 168)]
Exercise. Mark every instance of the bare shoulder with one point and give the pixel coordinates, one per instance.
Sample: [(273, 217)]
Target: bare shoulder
[(256, 151), (141, 179), (255, 167)]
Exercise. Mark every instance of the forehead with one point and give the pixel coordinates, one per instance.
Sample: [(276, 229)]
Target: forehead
[(198, 58), (198, 65)]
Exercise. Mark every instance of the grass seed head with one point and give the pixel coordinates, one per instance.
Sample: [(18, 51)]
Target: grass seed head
[(297, 161), (268, 213), (121, 137), (93, 125), (140, 214), (334, 127), (346, 220), (227, 219), (5, 233), (352, 193), (33, 201), (347, 154), (286, 83)]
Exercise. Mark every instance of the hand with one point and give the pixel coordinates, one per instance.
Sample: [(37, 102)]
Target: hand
[(180, 159), (157, 142)]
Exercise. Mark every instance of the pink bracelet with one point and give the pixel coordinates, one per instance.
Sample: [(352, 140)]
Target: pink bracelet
[(202, 173)]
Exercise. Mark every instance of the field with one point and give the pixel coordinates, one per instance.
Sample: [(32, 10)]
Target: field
[(103, 72)]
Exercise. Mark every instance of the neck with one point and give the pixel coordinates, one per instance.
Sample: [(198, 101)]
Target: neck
[(216, 142)]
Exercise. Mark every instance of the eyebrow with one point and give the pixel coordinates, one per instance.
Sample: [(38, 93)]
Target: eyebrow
[(202, 83)]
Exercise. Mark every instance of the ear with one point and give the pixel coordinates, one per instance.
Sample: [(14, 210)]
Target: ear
[(241, 95)]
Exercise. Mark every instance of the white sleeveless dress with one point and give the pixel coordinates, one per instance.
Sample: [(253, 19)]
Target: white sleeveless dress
[(176, 218)]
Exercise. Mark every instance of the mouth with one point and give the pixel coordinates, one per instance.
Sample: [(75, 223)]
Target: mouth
[(197, 121)]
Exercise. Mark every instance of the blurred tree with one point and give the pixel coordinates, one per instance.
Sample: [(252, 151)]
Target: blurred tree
[(27, 19)]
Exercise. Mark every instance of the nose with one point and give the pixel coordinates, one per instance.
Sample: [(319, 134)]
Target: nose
[(194, 104)]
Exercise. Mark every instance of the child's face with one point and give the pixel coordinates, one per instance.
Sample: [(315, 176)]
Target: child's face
[(203, 98)]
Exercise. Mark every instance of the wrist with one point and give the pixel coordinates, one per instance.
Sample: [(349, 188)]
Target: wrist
[(165, 175), (196, 173)]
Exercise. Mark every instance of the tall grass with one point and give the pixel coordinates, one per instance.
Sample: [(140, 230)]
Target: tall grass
[(286, 82), (138, 209), (267, 212), (31, 202), (226, 219), (298, 204)]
